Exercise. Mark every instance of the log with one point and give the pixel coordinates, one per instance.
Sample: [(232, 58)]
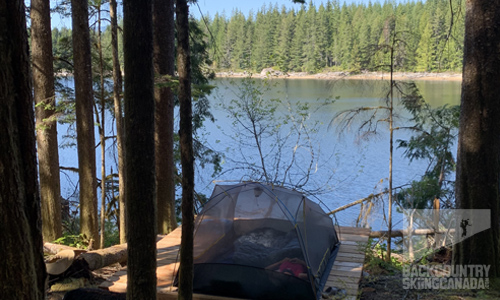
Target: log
[(52, 249), (401, 233), (104, 257), (95, 259), (370, 197)]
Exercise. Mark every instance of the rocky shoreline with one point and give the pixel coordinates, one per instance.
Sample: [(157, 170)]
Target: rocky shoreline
[(270, 73)]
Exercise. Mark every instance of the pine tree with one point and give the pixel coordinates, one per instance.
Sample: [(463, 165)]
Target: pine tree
[(283, 51), (45, 103), (298, 41), (85, 120)]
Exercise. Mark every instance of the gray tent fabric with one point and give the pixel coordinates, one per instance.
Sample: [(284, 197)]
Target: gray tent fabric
[(259, 241)]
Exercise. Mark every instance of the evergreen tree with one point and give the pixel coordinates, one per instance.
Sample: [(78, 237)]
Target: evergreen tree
[(283, 51), (85, 120), (140, 149), (298, 41), (44, 94), (23, 275)]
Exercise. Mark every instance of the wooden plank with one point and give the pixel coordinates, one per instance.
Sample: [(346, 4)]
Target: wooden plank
[(348, 264), (347, 268), (351, 249), (351, 280), (118, 287), (352, 243), (350, 259), (343, 285), (106, 284), (353, 237), (353, 230), (343, 255), (352, 273), (168, 244), (167, 257)]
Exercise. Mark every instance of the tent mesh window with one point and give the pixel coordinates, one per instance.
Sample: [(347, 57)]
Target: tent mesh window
[(259, 241)]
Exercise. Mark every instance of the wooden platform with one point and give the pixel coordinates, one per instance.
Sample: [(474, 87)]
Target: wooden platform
[(345, 273), (348, 266)]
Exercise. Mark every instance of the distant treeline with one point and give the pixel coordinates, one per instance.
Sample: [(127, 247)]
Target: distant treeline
[(428, 37)]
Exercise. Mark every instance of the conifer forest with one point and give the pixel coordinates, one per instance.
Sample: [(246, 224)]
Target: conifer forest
[(339, 37)]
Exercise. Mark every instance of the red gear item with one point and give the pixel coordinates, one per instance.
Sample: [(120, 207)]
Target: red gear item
[(292, 268)]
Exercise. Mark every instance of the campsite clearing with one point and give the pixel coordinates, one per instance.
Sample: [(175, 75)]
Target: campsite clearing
[(345, 274)]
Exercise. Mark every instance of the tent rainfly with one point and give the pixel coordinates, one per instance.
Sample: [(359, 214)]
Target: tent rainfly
[(258, 241)]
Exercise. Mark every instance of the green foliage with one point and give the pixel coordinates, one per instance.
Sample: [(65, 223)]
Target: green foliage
[(337, 36), (62, 49), (111, 234), (434, 132), (375, 262), (73, 240)]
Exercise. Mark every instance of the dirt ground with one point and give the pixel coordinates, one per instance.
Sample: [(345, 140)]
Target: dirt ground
[(383, 282), (390, 287)]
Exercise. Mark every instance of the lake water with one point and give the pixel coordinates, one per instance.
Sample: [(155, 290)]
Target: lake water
[(357, 167)]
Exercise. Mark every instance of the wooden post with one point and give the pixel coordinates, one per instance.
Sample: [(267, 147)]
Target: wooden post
[(437, 235)]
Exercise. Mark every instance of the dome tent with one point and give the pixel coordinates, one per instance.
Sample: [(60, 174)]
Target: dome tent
[(259, 241)]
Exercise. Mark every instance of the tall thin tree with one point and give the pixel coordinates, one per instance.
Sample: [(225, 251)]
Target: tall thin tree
[(164, 64), (186, 146), (139, 148), (117, 96), (101, 120), (84, 120), (23, 270), (478, 159), (46, 123)]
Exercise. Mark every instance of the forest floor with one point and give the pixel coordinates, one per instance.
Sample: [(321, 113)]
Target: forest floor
[(380, 281), (447, 76), (390, 287), (60, 286), (385, 281)]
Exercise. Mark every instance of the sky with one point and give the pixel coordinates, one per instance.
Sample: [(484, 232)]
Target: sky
[(213, 6)]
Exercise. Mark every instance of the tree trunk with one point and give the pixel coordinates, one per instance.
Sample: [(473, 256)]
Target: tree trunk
[(84, 120), (23, 270), (164, 64), (117, 91), (140, 150), (186, 145), (46, 123), (102, 127), (478, 159), (391, 152)]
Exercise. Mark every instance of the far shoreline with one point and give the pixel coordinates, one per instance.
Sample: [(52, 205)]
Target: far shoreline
[(406, 76)]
